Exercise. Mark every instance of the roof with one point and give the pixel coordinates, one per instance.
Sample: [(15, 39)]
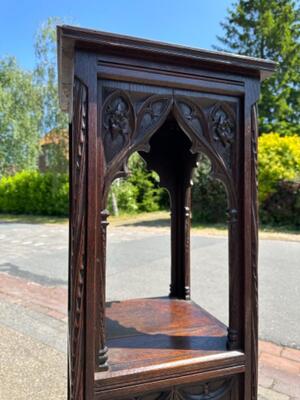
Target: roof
[(55, 136), (70, 37)]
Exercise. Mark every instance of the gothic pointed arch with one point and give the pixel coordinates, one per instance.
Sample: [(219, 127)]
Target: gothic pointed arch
[(129, 127)]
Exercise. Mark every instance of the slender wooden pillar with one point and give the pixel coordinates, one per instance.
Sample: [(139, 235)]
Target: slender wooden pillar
[(180, 241), (235, 309), (101, 360)]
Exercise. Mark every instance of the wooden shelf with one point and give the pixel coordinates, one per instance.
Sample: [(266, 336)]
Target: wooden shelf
[(163, 336)]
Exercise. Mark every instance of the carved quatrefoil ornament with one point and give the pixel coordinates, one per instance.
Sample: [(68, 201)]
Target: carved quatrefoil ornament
[(118, 124)]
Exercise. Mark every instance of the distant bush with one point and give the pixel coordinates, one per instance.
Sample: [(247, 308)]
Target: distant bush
[(283, 206), (278, 160), (209, 202), (140, 192), (31, 192)]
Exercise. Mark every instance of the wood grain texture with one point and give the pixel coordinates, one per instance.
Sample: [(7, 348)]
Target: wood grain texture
[(103, 42), (157, 339), (150, 331), (77, 243)]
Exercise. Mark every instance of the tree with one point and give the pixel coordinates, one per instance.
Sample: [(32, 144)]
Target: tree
[(46, 75), (20, 117), (270, 29)]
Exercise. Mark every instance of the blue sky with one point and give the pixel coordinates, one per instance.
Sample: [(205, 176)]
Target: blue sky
[(189, 22)]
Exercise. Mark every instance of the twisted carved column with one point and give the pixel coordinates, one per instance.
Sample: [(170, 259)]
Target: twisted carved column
[(77, 267)]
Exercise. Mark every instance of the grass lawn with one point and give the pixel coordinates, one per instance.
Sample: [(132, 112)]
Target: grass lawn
[(159, 220)]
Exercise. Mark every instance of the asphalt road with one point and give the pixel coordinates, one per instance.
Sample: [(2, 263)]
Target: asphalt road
[(138, 266)]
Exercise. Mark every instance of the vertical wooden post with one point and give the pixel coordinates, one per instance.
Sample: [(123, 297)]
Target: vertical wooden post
[(180, 241), (235, 307), (86, 80), (254, 252), (77, 260), (250, 234), (101, 346)]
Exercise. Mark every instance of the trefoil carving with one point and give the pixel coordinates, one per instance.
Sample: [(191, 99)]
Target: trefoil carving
[(222, 126)]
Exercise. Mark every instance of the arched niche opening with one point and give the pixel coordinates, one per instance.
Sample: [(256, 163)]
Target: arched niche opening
[(209, 241), (138, 245), (173, 152), (143, 261)]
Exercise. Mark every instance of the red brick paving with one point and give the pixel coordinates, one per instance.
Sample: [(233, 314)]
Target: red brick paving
[(279, 367), (47, 300)]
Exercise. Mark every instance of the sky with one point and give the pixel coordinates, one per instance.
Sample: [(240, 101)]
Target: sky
[(188, 22)]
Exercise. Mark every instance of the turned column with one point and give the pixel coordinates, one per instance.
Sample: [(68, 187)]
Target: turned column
[(180, 198), (101, 356)]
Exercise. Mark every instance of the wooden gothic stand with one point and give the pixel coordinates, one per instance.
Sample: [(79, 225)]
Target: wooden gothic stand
[(170, 104)]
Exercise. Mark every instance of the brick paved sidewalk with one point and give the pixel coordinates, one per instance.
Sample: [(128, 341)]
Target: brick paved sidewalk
[(46, 310)]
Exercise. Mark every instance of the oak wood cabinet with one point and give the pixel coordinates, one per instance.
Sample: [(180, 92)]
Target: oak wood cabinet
[(170, 104)]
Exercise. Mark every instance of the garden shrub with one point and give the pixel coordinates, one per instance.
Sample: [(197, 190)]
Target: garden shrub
[(283, 206), (278, 160), (31, 192), (140, 192), (125, 194)]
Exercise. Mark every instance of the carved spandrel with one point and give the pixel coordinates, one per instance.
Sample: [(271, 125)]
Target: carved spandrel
[(211, 131), (223, 130), (150, 117), (192, 115), (118, 124)]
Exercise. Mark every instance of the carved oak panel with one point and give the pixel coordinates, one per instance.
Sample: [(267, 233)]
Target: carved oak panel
[(224, 389), (118, 124), (130, 118)]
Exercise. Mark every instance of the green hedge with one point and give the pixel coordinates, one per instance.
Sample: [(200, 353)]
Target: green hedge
[(31, 192)]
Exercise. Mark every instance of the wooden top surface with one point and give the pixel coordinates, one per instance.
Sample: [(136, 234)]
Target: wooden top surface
[(98, 40), (70, 37), (162, 335), (150, 331)]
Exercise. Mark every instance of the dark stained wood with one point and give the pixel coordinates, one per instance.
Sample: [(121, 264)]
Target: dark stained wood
[(200, 384), (171, 104), (77, 286), (147, 332), (254, 249), (103, 42)]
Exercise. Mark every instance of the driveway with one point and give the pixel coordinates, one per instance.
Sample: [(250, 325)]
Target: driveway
[(139, 257)]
